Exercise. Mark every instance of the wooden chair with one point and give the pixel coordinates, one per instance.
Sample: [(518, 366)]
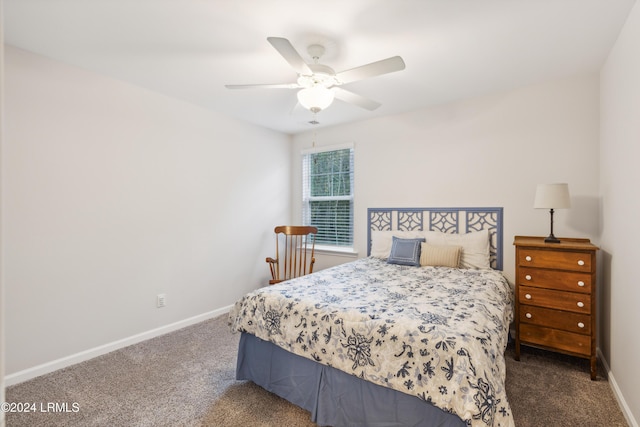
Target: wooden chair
[(294, 260)]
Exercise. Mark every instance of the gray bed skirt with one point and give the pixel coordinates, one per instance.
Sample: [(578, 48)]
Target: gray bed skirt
[(333, 397)]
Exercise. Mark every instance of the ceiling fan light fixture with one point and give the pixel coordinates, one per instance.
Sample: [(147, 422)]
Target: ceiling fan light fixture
[(315, 98)]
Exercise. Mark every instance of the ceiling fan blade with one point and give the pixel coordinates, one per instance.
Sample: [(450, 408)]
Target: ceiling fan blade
[(355, 99), (373, 69), (290, 54), (267, 86)]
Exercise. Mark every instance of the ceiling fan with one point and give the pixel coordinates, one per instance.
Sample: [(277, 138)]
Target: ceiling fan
[(319, 84)]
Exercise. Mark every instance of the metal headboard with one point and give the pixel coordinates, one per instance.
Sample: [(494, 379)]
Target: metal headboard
[(446, 220)]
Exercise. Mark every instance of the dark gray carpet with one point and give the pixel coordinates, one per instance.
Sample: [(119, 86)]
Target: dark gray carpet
[(186, 378)]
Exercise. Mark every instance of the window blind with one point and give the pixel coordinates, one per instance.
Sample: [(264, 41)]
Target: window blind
[(327, 194)]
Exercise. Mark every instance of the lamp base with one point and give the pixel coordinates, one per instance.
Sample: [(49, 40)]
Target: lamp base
[(551, 239)]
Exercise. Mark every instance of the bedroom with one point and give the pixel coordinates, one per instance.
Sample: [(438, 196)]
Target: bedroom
[(107, 202)]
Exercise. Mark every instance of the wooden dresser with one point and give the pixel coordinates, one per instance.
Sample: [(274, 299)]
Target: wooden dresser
[(556, 296)]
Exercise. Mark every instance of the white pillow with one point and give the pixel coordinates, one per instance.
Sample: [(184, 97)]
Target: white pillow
[(475, 246), (381, 241)]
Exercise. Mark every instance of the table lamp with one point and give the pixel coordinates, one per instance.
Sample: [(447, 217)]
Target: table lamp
[(552, 196)]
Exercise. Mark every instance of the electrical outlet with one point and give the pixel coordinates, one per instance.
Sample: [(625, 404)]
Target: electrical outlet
[(161, 300)]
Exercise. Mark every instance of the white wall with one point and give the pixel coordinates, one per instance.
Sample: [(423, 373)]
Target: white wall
[(619, 177), (490, 151), (2, 304), (114, 194)]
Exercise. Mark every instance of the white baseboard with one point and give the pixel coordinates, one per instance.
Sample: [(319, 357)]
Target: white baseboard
[(54, 365), (626, 411)]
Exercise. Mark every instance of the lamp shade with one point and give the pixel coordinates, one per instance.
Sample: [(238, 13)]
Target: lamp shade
[(315, 98), (552, 196)]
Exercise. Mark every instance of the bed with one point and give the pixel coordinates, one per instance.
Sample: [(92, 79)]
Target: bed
[(412, 335)]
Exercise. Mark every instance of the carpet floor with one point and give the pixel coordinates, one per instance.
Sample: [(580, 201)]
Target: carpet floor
[(187, 378)]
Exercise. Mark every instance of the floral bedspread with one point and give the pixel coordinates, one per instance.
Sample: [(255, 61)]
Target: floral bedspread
[(434, 332)]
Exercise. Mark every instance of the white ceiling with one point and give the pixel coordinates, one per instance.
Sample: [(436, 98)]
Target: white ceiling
[(189, 49)]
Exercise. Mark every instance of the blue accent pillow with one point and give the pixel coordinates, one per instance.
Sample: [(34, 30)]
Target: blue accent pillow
[(405, 251)]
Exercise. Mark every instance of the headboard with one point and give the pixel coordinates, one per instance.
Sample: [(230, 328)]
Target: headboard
[(446, 220)]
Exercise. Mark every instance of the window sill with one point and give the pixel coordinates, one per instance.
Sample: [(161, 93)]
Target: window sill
[(336, 250)]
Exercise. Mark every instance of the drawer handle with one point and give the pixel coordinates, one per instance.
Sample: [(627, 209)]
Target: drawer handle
[(528, 316), (527, 296), (580, 262), (528, 277), (528, 258), (580, 283), (580, 304), (580, 325)]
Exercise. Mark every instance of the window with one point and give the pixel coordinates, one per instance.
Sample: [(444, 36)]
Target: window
[(327, 194)]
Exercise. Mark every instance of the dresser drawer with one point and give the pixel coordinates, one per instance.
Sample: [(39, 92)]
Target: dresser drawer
[(551, 279), (565, 320), (561, 260), (562, 340), (569, 301)]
